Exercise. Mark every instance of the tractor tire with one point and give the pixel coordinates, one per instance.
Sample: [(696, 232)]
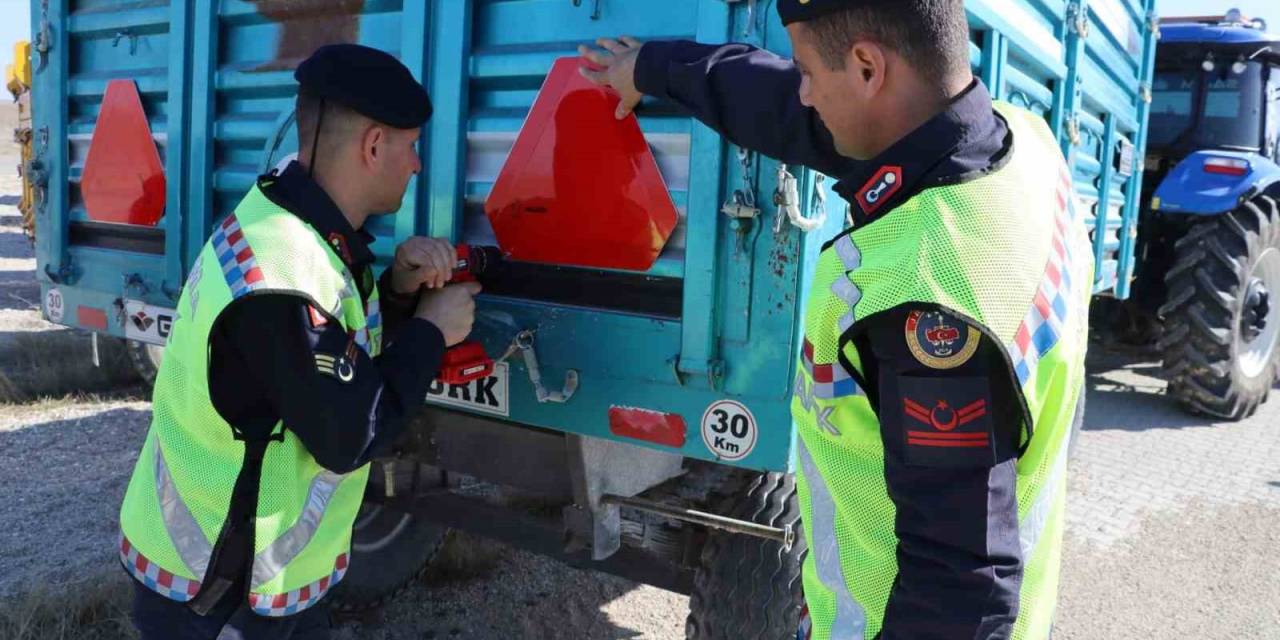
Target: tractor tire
[(390, 548), (749, 588), (1222, 316), (145, 359)]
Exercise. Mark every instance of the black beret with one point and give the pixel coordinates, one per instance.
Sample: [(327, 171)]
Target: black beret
[(368, 81), (805, 10)]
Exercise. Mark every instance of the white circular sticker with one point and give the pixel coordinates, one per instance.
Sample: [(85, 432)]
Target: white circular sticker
[(53, 305), (729, 430)]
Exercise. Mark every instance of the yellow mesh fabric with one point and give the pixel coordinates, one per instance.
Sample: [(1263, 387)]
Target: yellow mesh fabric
[(202, 455), (980, 249)]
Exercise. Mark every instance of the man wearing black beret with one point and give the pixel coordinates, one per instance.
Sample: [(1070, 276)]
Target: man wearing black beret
[(943, 362), (288, 369)]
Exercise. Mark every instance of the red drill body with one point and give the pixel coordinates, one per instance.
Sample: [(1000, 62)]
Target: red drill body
[(467, 360)]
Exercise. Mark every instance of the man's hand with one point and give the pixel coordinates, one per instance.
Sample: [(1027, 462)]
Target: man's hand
[(422, 262), (618, 59), (451, 309)]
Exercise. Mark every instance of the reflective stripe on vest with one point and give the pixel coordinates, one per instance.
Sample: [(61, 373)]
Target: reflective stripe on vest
[(1032, 524), (844, 288), (190, 542), (271, 561), (187, 537), (850, 619), (291, 602)]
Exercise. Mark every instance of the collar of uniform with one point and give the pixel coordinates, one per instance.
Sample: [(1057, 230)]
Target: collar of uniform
[(966, 139), (296, 192)]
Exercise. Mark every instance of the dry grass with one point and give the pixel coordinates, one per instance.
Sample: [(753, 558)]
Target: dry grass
[(96, 609), (56, 363), (462, 557)]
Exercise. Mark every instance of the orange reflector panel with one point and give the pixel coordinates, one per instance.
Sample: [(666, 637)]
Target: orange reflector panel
[(580, 187), (123, 180)]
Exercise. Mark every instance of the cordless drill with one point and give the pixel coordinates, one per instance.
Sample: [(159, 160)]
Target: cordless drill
[(467, 360)]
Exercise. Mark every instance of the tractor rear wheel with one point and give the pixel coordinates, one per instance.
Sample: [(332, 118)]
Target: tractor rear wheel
[(1222, 319)]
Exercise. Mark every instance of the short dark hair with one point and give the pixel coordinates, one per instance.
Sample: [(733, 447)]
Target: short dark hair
[(932, 35), (338, 120)]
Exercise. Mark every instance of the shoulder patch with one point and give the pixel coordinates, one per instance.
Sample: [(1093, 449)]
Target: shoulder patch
[(939, 340), (880, 189), (947, 421), (341, 367)]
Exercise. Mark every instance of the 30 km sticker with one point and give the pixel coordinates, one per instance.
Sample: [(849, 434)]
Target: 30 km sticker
[(729, 430), (53, 305)]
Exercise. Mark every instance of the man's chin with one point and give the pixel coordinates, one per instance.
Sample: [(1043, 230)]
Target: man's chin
[(387, 209)]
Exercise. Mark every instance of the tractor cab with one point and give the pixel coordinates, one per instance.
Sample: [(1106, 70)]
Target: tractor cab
[(1216, 87)]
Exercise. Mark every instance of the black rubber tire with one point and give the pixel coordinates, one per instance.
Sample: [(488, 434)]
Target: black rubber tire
[(1207, 286), (390, 549), (145, 359), (749, 588)]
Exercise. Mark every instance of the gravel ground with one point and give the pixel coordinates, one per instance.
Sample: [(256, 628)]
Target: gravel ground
[(1173, 527)]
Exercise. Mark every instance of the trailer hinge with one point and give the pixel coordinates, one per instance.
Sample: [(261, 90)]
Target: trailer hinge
[(715, 370), (66, 273), (1078, 19), (1153, 23), (44, 37), (1145, 92), (38, 177), (1073, 130)]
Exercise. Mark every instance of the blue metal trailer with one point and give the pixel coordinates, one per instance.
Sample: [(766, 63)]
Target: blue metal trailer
[(656, 396)]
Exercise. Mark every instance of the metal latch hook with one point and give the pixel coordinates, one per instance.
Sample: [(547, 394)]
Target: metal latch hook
[(524, 343)]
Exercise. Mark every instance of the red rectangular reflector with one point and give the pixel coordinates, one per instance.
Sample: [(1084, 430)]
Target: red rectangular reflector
[(92, 318), (667, 429), (1226, 166)]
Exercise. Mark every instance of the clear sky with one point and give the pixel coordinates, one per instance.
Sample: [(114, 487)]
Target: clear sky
[(15, 25), (15, 17)]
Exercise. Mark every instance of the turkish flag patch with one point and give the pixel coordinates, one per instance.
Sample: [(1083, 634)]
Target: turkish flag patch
[(946, 422)]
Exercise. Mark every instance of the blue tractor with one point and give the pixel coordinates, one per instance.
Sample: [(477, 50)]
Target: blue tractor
[(1209, 240)]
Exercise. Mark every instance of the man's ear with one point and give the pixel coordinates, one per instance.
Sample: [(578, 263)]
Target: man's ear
[(374, 137), (868, 62)]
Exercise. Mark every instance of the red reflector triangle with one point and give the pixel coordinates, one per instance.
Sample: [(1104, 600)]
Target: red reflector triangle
[(123, 181), (580, 187)]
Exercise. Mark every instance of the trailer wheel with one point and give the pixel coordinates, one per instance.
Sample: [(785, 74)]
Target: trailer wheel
[(145, 359), (1222, 317), (390, 547), (746, 587)]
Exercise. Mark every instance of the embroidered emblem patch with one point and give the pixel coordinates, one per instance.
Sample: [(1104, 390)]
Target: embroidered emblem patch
[(880, 189), (947, 422), (945, 418), (341, 367), (939, 340)]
